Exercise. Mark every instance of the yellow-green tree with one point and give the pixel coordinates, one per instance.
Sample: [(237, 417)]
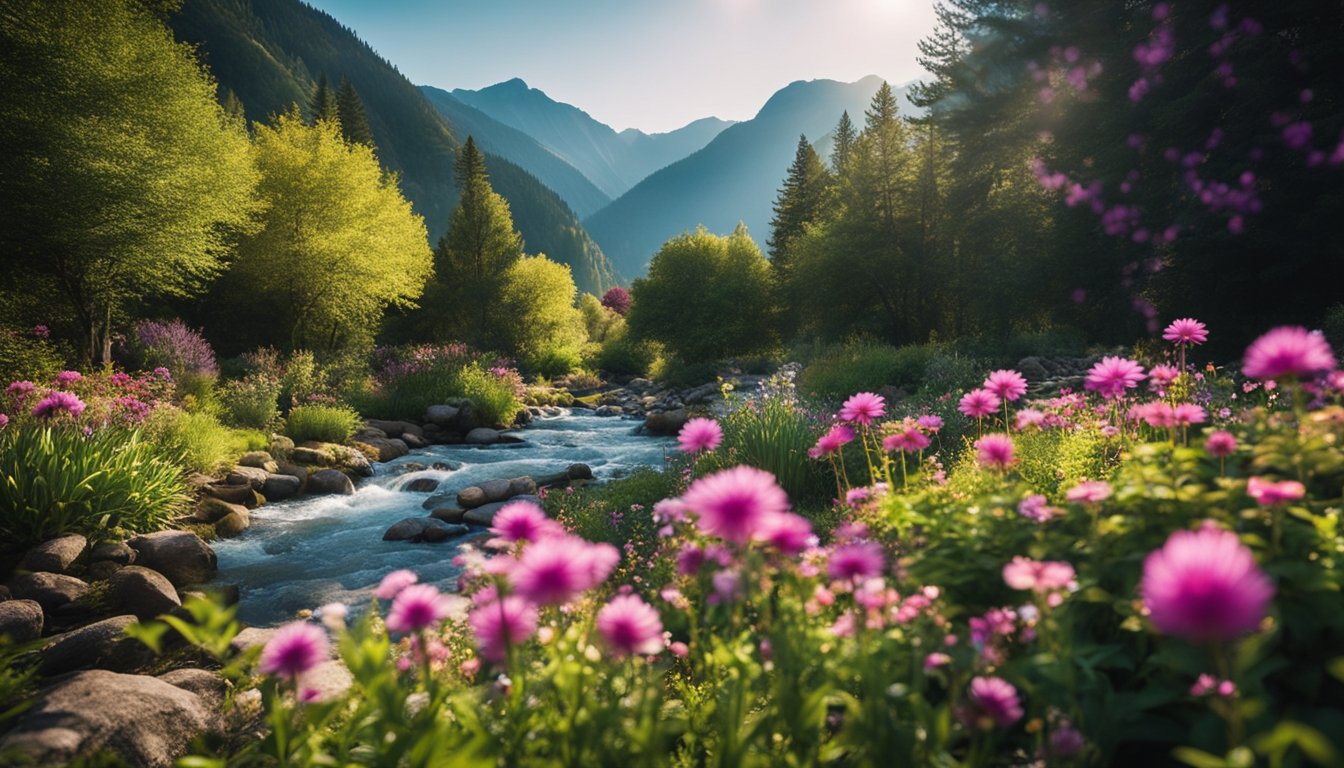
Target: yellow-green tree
[(338, 243), (536, 316)]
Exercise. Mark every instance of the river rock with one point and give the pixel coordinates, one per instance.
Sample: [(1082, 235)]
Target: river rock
[(394, 428), (281, 446), (252, 476), (666, 422), (385, 448), (101, 645), (278, 487), (210, 509), (451, 515), (142, 592), (56, 555), (522, 418), (421, 485), (88, 713), (495, 490), (233, 523), (197, 480), (329, 481), (485, 514), (101, 570), (580, 472), (609, 410), (182, 556), (240, 493), (441, 415), (471, 496), (294, 470), (251, 637), (50, 590), (21, 620), (260, 460), (329, 679), (407, 467), (521, 486), (210, 686), (483, 436), (311, 456), (423, 529)]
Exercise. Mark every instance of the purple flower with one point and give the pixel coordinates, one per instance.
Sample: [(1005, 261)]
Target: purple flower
[(978, 403), (786, 532), (417, 607), (700, 435), (1006, 385), (863, 408), (734, 503), (56, 403), (1112, 376), (4, 421), (1035, 509), (930, 422), (1066, 741), (630, 626), (175, 346), (994, 451), (523, 521), (831, 442), (859, 560), (1186, 332), (293, 650), (1220, 444), (1205, 586), (1288, 351), (993, 702), (1089, 492), (501, 624), (556, 569), (66, 378), (394, 582), (20, 390)]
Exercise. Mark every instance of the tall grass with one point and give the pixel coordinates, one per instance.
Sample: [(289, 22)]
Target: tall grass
[(195, 441), (322, 423), (774, 434)]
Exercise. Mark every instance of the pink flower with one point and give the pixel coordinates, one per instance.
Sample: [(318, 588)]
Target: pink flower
[(20, 390), (1066, 741), (1220, 444), (416, 607), (1268, 493), (1089, 492), (787, 532), (293, 650), (394, 582), (1028, 417), (1040, 577), (1204, 586), (863, 408), (1035, 509), (978, 403), (523, 521), (830, 442), (700, 435), (993, 702), (859, 560), (630, 626), (1157, 414), (930, 422), (57, 402), (500, 624), (734, 503), (556, 569), (910, 440), (66, 378), (4, 421), (1186, 332), (994, 451), (1288, 351), (1186, 414), (1006, 385), (1112, 376), (41, 331)]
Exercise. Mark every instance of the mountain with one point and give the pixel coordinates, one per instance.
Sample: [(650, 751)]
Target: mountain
[(733, 178), (270, 53), (615, 162)]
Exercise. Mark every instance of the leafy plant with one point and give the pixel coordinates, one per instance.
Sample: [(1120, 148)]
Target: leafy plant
[(251, 401), (322, 423), (195, 441)]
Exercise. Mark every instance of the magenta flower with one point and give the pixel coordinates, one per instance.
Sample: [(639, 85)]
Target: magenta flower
[(863, 408), (1089, 492), (1288, 351), (787, 532), (1036, 509), (858, 560), (4, 421), (734, 503), (57, 403), (1157, 414), (830, 443), (978, 403), (630, 626), (1186, 332), (293, 650), (523, 521), (394, 582), (1028, 417), (501, 624), (1006, 385), (20, 390), (700, 435), (556, 569), (66, 378), (1204, 586), (1066, 741), (1112, 376), (993, 702), (1186, 414), (1268, 493), (1038, 576), (1161, 377), (1220, 444), (417, 607), (930, 422), (910, 440), (994, 451), (41, 331)]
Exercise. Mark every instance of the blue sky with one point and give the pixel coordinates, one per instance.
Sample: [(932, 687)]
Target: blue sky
[(648, 64)]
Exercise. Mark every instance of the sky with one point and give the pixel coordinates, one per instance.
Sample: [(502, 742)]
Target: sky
[(649, 64)]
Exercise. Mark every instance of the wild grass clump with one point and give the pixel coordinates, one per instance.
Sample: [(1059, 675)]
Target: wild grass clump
[(197, 442), (251, 402), (321, 423)]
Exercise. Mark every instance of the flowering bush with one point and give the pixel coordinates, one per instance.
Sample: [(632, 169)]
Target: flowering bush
[(410, 379)]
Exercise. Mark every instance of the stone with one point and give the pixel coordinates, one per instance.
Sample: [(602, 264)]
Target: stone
[(385, 448), (484, 514), (247, 476), (89, 713), (101, 645), (182, 556), (389, 427), (407, 467), (113, 551), (310, 456), (198, 480), (281, 446), (142, 592), (329, 481), (471, 496), (522, 486), (233, 523), (423, 529), (210, 509), (522, 418), (1032, 369), (329, 679), (496, 490), (210, 686), (441, 415), (54, 556), (483, 436), (414, 441), (609, 410), (101, 570), (259, 460), (240, 493), (580, 472), (50, 590), (437, 530), (251, 637), (293, 470), (666, 422), (421, 485), (21, 620), (452, 515), (278, 487)]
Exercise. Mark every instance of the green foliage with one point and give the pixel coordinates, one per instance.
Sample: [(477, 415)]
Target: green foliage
[(322, 423), (195, 441), (56, 480), (537, 319), (302, 380), (251, 401), (802, 200), (867, 367), (27, 357), (1054, 460), (622, 355), (354, 119), (774, 433), (493, 398)]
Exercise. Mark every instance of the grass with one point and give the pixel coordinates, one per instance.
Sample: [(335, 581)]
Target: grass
[(321, 423)]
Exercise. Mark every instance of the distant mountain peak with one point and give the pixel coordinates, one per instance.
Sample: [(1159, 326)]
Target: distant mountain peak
[(512, 84)]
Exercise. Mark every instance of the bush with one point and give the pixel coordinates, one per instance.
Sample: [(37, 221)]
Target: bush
[(28, 355), (413, 378), (552, 363), (251, 401), (774, 434), (195, 441), (56, 480), (495, 398), (621, 355), (322, 423), (866, 367)]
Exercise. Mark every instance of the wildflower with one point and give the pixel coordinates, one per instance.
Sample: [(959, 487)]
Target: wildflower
[(829, 443), (41, 331), (56, 402), (630, 626), (1204, 585), (1112, 376), (333, 616), (733, 504), (858, 560), (786, 532), (994, 451), (416, 607), (66, 378), (1157, 414), (499, 624), (163, 373), (727, 586), (1220, 444), (1066, 741), (20, 390), (700, 435), (930, 422), (523, 521), (1034, 508), (1186, 414), (1006, 385), (1089, 492), (1268, 493), (1040, 577), (909, 440), (1208, 685), (293, 650), (689, 560), (1186, 332), (863, 408), (394, 582), (936, 660), (1161, 377), (4, 421), (1288, 351), (993, 702), (978, 403), (855, 497), (1028, 417), (556, 569)]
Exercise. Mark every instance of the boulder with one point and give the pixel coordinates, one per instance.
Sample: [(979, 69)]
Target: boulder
[(281, 445), (240, 493), (329, 481), (233, 523), (521, 486), (522, 418), (278, 487), (293, 470), (414, 441), (258, 459), (210, 509), (101, 645), (580, 472), (88, 713), (182, 556), (1032, 369), (483, 436), (385, 448), (328, 680), (609, 410), (408, 467), (142, 592), (484, 514), (443, 416), (392, 428), (496, 490), (197, 480), (470, 497), (451, 515), (423, 529), (310, 456), (247, 476), (421, 485), (101, 570), (54, 556), (666, 422), (113, 551), (50, 590), (21, 620), (251, 637), (210, 686)]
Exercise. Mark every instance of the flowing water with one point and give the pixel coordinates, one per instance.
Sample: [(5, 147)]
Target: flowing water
[(314, 550)]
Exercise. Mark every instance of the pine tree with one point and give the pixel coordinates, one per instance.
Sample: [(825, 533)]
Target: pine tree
[(844, 144), (801, 200), (322, 104), (354, 119), (233, 108)]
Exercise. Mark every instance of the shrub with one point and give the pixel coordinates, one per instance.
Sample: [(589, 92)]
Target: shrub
[(301, 381), (774, 434), (411, 379), (554, 362), (841, 371), (495, 398), (621, 355), (28, 355), (617, 299), (173, 345), (195, 441), (56, 480), (322, 423), (251, 401)]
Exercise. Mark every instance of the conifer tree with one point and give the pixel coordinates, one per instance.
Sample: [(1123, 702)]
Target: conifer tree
[(844, 144), (322, 104), (801, 200), (354, 119)]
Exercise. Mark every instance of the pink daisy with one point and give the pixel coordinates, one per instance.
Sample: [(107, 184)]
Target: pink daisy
[(734, 503), (1186, 414), (1027, 418), (417, 607), (523, 521), (909, 440), (501, 624), (930, 422), (1006, 384), (700, 435), (1205, 586), (57, 403), (993, 702), (1112, 376), (994, 451), (786, 532), (863, 408), (293, 650), (1268, 493), (1089, 492), (394, 582), (1186, 332), (1220, 444), (630, 626), (1038, 576), (556, 569), (859, 560), (1288, 351), (978, 403), (829, 443)]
